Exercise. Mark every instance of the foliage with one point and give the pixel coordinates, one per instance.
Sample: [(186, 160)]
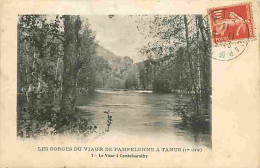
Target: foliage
[(131, 78), (144, 74), (56, 58), (178, 58), (161, 84), (88, 59), (48, 120)]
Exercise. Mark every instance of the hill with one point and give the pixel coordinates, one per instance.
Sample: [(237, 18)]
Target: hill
[(119, 66), (106, 54)]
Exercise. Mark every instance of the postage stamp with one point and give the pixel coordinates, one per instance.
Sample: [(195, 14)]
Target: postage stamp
[(232, 27), (232, 23)]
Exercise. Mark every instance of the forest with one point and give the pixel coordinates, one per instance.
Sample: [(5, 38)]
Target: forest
[(56, 61), (60, 58), (179, 61)]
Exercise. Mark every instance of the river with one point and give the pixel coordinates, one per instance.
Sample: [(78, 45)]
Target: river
[(139, 113)]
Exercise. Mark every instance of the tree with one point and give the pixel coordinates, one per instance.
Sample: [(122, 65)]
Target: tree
[(52, 54), (39, 48), (88, 72), (180, 47), (131, 78), (103, 70), (71, 57)]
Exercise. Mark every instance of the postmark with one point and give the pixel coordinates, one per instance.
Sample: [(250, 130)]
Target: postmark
[(231, 30)]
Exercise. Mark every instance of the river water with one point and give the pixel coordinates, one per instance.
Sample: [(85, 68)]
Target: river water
[(139, 113)]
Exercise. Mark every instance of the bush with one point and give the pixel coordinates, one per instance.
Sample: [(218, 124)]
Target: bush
[(48, 120), (161, 85)]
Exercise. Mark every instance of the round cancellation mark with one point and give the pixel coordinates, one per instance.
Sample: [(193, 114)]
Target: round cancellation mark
[(228, 51)]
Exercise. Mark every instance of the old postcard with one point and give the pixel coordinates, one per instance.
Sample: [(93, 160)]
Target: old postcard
[(158, 83)]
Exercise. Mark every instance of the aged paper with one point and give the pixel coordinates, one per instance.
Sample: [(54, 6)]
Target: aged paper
[(129, 84)]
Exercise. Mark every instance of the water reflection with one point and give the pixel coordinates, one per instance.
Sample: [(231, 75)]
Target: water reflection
[(140, 114)]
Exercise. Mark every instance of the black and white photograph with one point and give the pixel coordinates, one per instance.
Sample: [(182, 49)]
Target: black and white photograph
[(94, 76), (129, 83)]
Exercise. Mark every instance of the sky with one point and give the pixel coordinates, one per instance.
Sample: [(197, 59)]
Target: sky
[(119, 34)]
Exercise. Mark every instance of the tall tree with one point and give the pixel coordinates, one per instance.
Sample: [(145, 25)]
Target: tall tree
[(180, 47), (72, 26), (88, 72)]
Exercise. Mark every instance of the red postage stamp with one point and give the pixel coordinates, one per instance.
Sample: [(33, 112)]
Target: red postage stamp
[(231, 23)]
